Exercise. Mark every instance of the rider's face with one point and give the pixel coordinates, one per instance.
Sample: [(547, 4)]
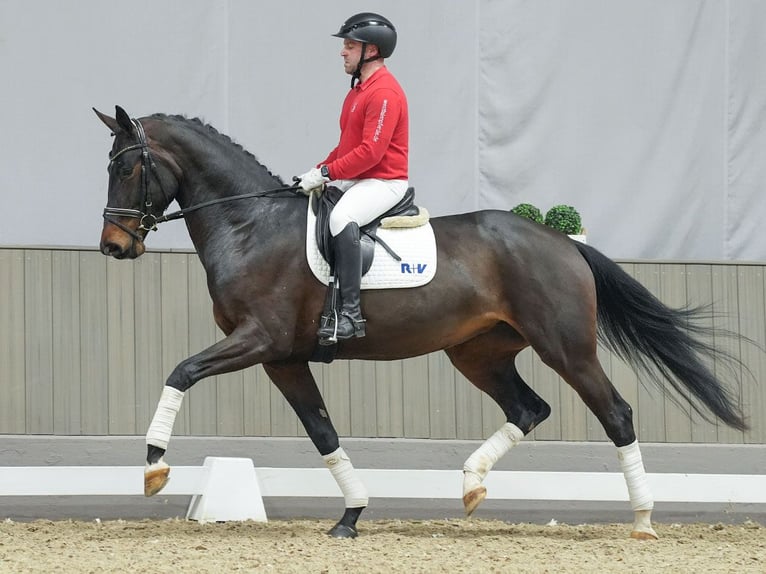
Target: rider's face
[(351, 52)]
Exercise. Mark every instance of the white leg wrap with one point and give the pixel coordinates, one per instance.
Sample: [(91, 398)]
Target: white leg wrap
[(479, 464), (354, 492), (635, 477), (162, 424)]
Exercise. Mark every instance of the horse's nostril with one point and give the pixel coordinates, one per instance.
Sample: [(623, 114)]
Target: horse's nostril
[(111, 249)]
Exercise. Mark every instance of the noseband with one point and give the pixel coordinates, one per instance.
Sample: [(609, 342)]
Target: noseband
[(147, 221)]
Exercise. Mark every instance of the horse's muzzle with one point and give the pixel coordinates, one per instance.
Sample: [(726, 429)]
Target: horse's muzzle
[(120, 245)]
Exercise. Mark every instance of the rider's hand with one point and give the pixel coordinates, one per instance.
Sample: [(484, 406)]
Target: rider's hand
[(313, 179)]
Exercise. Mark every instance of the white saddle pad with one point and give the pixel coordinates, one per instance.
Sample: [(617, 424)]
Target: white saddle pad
[(415, 245)]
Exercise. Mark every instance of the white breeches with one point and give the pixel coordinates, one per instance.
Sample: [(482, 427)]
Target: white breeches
[(363, 200)]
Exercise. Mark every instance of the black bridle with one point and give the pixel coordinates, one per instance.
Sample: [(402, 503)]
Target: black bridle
[(147, 220)]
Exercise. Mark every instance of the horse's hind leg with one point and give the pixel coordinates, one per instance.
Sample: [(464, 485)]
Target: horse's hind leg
[(488, 361), (574, 358), (298, 386), (616, 416)]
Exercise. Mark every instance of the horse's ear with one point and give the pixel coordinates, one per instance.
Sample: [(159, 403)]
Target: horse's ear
[(111, 123), (123, 119)]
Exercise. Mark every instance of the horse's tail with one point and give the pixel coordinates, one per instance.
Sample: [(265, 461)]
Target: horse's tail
[(660, 340)]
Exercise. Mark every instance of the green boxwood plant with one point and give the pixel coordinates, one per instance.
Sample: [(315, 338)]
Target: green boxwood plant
[(529, 211), (565, 218)]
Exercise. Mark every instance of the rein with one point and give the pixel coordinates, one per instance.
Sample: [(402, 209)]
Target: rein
[(267, 193), (147, 220)]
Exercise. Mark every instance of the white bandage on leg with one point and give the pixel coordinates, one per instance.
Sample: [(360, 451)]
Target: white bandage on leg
[(479, 464), (162, 424), (635, 477), (354, 492)]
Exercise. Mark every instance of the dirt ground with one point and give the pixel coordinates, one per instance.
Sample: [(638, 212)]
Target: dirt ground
[(387, 546)]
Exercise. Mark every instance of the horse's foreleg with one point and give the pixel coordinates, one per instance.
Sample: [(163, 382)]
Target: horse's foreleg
[(488, 362), (297, 384), (237, 351), (157, 471)]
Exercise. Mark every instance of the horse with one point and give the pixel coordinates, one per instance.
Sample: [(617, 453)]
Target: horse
[(503, 283)]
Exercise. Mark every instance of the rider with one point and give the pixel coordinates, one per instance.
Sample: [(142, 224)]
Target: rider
[(370, 162)]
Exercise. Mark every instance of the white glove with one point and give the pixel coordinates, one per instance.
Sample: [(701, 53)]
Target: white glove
[(312, 179)]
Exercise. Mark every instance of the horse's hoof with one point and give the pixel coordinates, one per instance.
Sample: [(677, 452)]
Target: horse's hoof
[(343, 531), (473, 499), (642, 526), (644, 535), (156, 476)]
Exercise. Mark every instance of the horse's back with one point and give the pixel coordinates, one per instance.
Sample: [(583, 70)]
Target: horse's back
[(514, 239)]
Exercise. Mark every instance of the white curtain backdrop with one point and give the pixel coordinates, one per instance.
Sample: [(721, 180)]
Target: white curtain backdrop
[(646, 115)]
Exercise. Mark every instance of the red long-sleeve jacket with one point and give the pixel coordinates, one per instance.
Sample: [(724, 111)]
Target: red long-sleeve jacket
[(374, 131)]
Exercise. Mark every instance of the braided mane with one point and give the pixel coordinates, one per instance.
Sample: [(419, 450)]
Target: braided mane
[(199, 124)]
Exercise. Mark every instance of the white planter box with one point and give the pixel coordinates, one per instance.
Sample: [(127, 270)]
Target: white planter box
[(580, 238)]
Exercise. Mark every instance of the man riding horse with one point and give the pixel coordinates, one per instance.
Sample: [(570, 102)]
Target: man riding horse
[(370, 162)]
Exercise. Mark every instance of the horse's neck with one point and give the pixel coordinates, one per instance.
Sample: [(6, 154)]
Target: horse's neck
[(231, 228)]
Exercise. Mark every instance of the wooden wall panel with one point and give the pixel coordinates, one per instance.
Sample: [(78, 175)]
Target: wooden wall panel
[(468, 409), (38, 317), (87, 343), (677, 411), (752, 310), (13, 401), (66, 343), (699, 287), (416, 397), (389, 399), (726, 317), (94, 344), (121, 355), (257, 392), (363, 394), (441, 397), (150, 374)]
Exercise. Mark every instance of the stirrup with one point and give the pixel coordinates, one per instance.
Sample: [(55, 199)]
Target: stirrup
[(327, 339)]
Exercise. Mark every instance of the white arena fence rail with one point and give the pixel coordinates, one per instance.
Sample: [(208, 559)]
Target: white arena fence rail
[(231, 489)]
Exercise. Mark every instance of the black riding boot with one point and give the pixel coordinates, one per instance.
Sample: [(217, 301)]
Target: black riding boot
[(348, 271)]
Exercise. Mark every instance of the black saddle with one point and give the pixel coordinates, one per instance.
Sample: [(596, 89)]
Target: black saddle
[(323, 205)]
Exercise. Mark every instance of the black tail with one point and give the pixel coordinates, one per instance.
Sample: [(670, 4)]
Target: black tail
[(659, 340)]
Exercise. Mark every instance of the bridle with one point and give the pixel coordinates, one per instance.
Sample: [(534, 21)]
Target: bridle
[(147, 220)]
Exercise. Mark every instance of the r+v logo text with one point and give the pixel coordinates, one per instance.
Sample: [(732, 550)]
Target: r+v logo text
[(417, 268)]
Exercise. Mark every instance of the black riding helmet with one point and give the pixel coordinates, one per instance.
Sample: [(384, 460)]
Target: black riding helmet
[(369, 28)]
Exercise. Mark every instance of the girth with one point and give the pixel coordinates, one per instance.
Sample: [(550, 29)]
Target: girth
[(323, 204)]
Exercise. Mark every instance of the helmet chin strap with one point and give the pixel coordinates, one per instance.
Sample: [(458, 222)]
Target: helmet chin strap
[(357, 75)]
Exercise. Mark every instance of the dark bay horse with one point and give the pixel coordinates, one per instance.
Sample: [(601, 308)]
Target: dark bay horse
[(503, 283)]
